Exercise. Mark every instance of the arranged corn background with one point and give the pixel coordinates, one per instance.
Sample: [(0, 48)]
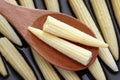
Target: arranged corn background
[(40, 69)]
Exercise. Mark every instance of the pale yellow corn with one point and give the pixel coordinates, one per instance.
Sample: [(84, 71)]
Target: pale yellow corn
[(2, 68), (116, 8), (12, 1), (66, 31), (27, 3), (71, 50), (45, 67), (15, 59), (68, 75), (97, 70), (84, 16), (7, 31), (52, 5), (106, 25)]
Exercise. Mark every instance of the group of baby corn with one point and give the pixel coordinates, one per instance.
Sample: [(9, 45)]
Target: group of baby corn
[(54, 32)]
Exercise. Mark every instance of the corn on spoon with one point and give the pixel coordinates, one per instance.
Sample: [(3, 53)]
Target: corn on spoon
[(29, 19)]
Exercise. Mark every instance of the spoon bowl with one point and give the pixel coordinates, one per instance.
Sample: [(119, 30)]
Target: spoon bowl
[(21, 18)]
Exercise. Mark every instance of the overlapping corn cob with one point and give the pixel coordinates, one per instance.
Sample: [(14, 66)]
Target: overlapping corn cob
[(7, 31), (45, 67), (71, 50), (97, 70), (66, 31), (2, 68), (12, 1), (84, 16), (15, 59), (52, 5), (68, 75), (116, 8), (106, 25), (27, 3)]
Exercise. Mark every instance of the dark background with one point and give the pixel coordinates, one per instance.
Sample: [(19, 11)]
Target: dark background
[(85, 74)]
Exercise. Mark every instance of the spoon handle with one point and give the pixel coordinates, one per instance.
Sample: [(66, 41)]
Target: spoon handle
[(20, 17)]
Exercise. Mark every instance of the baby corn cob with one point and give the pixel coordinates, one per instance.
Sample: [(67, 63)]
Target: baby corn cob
[(52, 5), (45, 67), (73, 51), (15, 59), (68, 75), (66, 31), (27, 3), (2, 68), (106, 25), (97, 70), (12, 1), (84, 16), (116, 8), (7, 31)]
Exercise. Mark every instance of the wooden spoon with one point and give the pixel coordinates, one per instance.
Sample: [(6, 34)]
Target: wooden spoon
[(21, 18)]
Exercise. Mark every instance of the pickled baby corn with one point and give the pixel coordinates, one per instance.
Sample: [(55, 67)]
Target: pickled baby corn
[(12, 1), (2, 68), (106, 25), (84, 16), (66, 31), (116, 8), (45, 67), (15, 59), (73, 51), (52, 5), (7, 31), (68, 75), (97, 70), (27, 3)]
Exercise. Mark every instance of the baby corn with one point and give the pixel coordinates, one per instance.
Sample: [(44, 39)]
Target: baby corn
[(66, 31), (12, 1), (15, 59), (2, 68), (106, 25), (68, 75), (7, 31), (52, 5), (97, 70), (84, 16), (27, 3), (73, 51), (45, 67), (116, 8)]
